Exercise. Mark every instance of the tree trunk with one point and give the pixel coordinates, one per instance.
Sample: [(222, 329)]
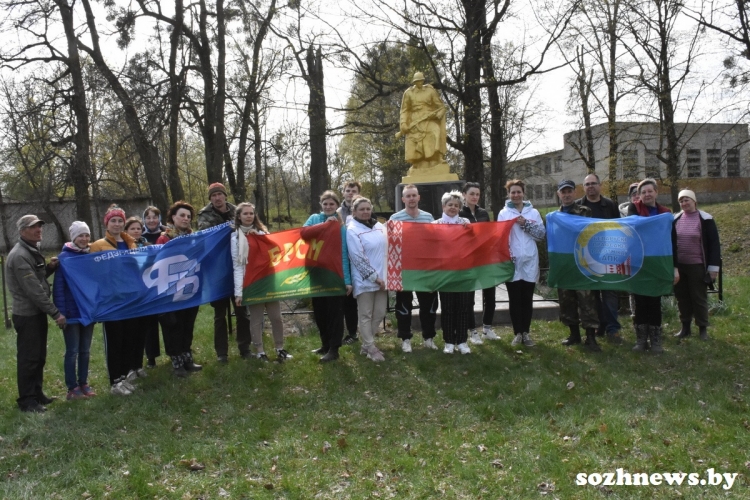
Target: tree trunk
[(146, 150), (81, 170), (175, 95), (258, 192), (316, 112), (472, 101)]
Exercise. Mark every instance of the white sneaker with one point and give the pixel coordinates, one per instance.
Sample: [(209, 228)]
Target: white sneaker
[(373, 353), (127, 385), (527, 340), (489, 333), (464, 348), (448, 349), (475, 337), (119, 390), (406, 345), (518, 339), (132, 375), (430, 344), (141, 373)]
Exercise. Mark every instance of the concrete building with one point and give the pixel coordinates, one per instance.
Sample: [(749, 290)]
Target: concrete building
[(713, 161)]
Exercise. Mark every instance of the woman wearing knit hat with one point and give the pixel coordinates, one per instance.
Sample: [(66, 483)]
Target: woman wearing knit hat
[(118, 341), (77, 336), (698, 260)]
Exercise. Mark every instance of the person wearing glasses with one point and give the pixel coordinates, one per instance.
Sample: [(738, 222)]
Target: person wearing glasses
[(607, 301)]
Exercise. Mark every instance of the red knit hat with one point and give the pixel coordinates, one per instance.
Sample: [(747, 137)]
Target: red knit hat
[(114, 212), (216, 187)]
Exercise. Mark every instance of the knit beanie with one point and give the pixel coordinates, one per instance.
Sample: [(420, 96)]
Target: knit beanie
[(77, 229), (216, 187), (687, 193), (114, 212)]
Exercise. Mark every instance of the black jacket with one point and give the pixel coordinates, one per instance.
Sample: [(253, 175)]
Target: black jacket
[(604, 209), (479, 215)]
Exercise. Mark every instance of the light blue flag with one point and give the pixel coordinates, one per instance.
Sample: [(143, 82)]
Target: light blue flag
[(632, 254), (120, 284)]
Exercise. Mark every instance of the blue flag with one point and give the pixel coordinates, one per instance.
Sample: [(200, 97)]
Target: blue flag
[(120, 284), (632, 254)]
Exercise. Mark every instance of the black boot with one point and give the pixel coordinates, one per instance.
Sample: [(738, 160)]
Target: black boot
[(331, 355), (590, 343), (321, 350), (703, 332), (685, 332), (641, 338), (574, 337), (178, 366), (654, 332), (190, 365)]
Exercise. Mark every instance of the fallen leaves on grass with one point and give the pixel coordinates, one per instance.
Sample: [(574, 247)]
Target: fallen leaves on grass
[(192, 464), (570, 385), (326, 446), (497, 463)]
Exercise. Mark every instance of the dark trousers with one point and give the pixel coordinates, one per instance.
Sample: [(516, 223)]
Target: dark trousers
[(454, 316), (31, 355), (120, 341), (608, 305), (221, 330), (488, 308), (151, 342), (136, 341), (329, 317), (647, 310), (177, 330), (691, 294), (428, 304), (351, 316), (520, 304)]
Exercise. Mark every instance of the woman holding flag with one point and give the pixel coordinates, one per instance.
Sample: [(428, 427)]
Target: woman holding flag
[(648, 309), (328, 311), (247, 223), (177, 326), (119, 344), (367, 243), (527, 230)]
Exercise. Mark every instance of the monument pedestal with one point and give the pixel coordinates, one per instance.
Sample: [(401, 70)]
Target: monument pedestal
[(434, 173)]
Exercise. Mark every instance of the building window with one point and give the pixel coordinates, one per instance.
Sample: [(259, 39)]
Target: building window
[(693, 162), (653, 165), (549, 191), (538, 192), (733, 162), (558, 165), (547, 162), (713, 162), (629, 162)]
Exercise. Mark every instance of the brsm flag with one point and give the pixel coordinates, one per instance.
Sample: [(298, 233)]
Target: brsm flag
[(297, 263), (187, 271), (632, 254), (448, 257)]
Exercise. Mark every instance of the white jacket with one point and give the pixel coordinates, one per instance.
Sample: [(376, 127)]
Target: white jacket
[(523, 240), (239, 269), (367, 255)]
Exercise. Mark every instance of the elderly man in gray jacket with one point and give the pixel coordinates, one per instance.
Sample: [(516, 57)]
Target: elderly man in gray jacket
[(27, 272)]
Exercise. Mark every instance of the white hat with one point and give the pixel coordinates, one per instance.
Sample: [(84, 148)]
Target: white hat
[(687, 193), (77, 229)]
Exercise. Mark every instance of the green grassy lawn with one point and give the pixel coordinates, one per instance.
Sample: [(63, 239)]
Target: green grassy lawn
[(498, 423)]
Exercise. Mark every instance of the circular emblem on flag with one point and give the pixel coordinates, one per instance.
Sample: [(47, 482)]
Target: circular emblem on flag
[(609, 252)]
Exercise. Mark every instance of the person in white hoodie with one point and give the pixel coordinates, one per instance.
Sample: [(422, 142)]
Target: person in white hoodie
[(367, 244), (247, 223), (527, 230)]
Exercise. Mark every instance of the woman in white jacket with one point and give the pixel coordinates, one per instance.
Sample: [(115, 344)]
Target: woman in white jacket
[(367, 245), (527, 230), (247, 223)]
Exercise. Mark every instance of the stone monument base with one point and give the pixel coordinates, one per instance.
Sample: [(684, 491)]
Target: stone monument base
[(434, 173)]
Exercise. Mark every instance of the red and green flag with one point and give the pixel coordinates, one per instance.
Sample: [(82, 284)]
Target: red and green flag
[(293, 264), (448, 257)]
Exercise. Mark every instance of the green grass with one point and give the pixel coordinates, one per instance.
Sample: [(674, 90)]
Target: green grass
[(495, 424)]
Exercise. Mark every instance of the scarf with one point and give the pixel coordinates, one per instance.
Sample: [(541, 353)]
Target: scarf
[(370, 223), (242, 247), (446, 219), (75, 248)]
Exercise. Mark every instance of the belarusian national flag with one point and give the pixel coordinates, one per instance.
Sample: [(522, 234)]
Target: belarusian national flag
[(448, 257), (632, 254), (297, 263)]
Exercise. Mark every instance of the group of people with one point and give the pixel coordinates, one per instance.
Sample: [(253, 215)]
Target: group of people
[(696, 254)]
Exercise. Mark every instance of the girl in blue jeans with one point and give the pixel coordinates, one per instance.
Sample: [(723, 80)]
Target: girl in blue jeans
[(77, 336)]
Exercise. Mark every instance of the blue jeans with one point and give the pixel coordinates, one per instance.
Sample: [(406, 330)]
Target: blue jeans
[(608, 303), (77, 347)]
